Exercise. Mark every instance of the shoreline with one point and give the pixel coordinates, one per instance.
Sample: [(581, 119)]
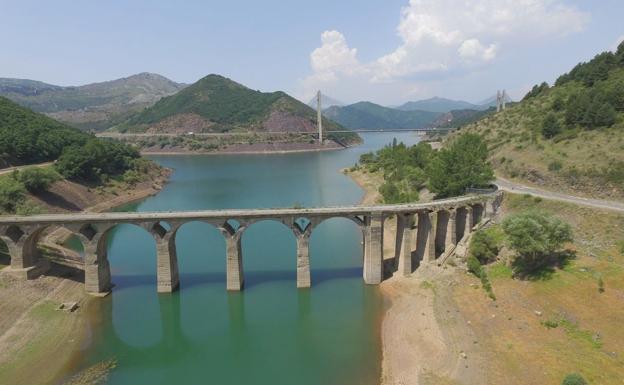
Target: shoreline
[(53, 350), (243, 152), (423, 337)]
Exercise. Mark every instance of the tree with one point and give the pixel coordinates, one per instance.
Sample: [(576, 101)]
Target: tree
[(484, 245), (37, 179), (11, 194), (535, 236), (464, 163), (574, 379), (605, 115), (550, 126)]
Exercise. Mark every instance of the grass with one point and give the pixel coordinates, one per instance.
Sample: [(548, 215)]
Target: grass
[(563, 324), (576, 161), (59, 327)]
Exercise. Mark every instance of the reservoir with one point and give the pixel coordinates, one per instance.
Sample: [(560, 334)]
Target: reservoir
[(270, 333)]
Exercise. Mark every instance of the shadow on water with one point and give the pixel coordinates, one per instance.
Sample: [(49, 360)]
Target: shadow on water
[(252, 278)]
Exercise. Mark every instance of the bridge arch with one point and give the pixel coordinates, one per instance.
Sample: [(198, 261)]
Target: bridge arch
[(341, 235), (201, 251), (269, 261)]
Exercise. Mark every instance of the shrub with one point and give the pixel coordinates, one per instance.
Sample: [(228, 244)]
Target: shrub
[(37, 179), (474, 266), (574, 379), (535, 236), (555, 166), (484, 245), (550, 126), (12, 193)]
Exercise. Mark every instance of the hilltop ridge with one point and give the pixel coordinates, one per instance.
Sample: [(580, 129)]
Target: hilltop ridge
[(95, 106), (567, 137)]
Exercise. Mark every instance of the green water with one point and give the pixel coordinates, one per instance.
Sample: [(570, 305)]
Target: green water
[(270, 333)]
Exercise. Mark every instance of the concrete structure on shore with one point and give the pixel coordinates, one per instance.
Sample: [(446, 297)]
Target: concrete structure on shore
[(425, 233)]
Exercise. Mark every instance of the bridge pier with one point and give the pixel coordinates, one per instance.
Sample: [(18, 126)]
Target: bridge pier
[(234, 258), (167, 273), (96, 265), (21, 242), (451, 231), (373, 249), (303, 261), (407, 229)]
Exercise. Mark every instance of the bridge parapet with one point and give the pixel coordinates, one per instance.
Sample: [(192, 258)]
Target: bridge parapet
[(425, 231)]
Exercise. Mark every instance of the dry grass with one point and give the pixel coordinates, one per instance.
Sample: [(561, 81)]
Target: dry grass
[(538, 331), (519, 152)]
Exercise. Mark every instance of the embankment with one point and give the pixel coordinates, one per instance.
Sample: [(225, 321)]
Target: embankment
[(37, 341), (424, 338)]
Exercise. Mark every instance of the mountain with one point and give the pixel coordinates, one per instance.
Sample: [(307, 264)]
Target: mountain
[(567, 137), (94, 106), (437, 104), (218, 104), (326, 102), (459, 118), (367, 115), (491, 102)]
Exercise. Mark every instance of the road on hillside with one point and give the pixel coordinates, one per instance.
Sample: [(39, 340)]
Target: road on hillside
[(11, 169), (518, 188)]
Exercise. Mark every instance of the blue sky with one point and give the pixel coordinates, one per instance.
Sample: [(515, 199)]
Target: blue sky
[(385, 51)]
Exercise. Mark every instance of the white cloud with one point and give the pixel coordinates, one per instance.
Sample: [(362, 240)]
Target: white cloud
[(439, 36), (472, 49)]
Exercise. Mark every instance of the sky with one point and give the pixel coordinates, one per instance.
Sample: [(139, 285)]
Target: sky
[(384, 51)]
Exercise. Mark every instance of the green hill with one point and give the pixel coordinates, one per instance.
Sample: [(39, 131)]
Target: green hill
[(568, 137), (367, 115), (217, 104), (94, 106), (29, 137)]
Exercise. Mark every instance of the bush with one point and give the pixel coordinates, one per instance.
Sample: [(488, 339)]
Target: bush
[(474, 266), (535, 236), (574, 379), (555, 165), (550, 126), (12, 193), (37, 179), (484, 245)]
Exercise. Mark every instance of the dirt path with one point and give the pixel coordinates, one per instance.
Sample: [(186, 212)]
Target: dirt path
[(11, 169), (518, 188)]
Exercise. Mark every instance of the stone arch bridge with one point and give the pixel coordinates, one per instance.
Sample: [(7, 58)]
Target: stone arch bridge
[(425, 233)]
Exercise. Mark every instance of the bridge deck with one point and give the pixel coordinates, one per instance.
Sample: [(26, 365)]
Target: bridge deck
[(238, 213)]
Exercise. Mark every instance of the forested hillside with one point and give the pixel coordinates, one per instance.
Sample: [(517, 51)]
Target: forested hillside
[(569, 136)]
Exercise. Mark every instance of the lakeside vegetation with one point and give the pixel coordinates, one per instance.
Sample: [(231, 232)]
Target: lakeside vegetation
[(569, 136), (27, 137), (555, 270), (450, 171)]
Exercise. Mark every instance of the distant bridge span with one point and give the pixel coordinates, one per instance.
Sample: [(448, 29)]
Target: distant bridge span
[(118, 135), (425, 232)]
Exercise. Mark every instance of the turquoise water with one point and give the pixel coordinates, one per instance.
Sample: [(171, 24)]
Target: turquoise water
[(270, 333)]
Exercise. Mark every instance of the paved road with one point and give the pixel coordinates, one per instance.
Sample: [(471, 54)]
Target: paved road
[(11, 169), (514, 187)]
